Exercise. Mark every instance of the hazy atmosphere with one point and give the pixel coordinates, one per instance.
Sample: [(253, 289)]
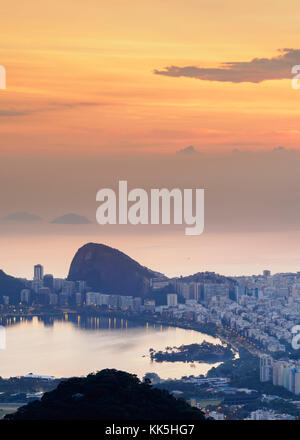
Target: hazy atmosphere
[(251, 210), (121, 301)]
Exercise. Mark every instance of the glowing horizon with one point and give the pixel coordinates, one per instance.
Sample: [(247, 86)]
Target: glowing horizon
[(81, 79)]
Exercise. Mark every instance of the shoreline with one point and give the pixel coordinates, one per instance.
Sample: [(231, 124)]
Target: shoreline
[(225, 335)]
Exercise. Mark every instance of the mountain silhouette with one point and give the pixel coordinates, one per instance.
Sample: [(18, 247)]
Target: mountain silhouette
[(71, 219), (108, 270), (11, 287), (21, 217)]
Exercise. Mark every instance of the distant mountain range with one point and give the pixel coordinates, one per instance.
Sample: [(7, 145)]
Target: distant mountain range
[(29, 218), (71, 219), (21, 217)]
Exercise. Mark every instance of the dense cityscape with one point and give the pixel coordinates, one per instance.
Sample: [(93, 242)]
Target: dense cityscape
[(254, 314)]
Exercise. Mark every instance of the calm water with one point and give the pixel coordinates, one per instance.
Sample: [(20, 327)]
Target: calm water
[(76, 346)]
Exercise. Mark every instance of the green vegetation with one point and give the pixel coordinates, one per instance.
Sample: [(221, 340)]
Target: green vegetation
[(188, 389), (279, 405), (8, 409), (21, 385), (205, 352), (209, 402), (107, 395), (245, 367), (244, 373), (289, 353), (160, 295), (11, 287)]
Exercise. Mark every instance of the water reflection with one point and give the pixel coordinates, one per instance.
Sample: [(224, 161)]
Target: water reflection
[(80, 321), (72, 344)]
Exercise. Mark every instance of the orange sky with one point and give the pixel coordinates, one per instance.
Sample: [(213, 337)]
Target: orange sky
[(81, 82), (80, 75)]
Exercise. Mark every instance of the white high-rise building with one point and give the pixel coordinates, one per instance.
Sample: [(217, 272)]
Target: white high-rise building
[(297, 382), (25, 296), (278, 371), (266, 368), (93, 299), (172, 299)]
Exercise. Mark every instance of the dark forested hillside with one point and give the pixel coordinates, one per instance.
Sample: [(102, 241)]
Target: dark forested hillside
[(10, 286), (107, 395)]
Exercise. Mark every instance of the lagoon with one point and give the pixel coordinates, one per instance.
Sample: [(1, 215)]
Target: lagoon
[(76, 345)]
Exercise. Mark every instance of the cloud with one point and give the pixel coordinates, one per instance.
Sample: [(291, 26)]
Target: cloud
[(187, 150), (254, 71), (283, 149), (53, 106), (21, 217), (57, 105), (71, 219), (12, 113)]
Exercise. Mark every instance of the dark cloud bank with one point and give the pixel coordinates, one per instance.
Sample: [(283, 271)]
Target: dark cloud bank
[(254, 71)]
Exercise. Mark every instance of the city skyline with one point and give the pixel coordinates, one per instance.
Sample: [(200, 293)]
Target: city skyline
[(146, 254), (150, 212), (38, 272)]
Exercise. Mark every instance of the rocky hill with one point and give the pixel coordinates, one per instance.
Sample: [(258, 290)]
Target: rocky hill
[(108, 270), (208, 277), (11, 287)]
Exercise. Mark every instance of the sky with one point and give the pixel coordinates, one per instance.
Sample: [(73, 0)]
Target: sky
[(100, 91)]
